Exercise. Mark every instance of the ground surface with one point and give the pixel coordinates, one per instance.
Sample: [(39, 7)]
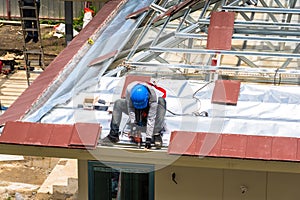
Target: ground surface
[(11, 40), (11, 51), (23, 177)]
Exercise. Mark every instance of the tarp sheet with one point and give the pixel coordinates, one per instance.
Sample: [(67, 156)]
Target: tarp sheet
[(261, 109), (113, 37)]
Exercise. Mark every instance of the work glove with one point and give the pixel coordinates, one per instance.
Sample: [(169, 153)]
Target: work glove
[(134, 129)]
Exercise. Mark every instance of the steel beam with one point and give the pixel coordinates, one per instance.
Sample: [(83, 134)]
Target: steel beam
[(224, 52), (262, 9)]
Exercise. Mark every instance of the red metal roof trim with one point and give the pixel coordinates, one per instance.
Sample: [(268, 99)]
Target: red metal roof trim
[(27, 99), (226, 92), (79, 135), (137, 13), (235, 146), (85, 135), (220, 30), (100, 59)]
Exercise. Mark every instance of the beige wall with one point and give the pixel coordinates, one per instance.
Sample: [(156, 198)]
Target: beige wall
[(219, 184)]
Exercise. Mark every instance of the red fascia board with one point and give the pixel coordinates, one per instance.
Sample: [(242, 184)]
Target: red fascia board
[(85, 135), (259, 147), (27, 99), (38, 134), (284, 148), (208, 144), (235, 146), (61, 135), (19, 132), (78, 135), (183, 143)]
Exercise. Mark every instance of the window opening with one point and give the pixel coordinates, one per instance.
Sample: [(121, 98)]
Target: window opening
[(120, 181)]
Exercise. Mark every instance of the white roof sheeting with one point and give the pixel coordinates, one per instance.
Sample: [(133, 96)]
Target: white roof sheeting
[(261, 109)]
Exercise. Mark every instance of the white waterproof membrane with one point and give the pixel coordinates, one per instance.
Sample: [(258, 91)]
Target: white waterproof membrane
[(261, 109)]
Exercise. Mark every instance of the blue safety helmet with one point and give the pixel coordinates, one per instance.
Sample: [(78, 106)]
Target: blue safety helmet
[(139, 96)]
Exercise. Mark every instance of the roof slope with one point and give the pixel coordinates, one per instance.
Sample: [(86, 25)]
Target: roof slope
[(168, 42), (32, 96)]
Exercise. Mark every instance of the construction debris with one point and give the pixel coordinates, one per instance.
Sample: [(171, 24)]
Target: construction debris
[(8, 62)]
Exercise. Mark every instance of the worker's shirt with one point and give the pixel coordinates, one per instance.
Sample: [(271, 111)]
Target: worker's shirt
[(152, 106)]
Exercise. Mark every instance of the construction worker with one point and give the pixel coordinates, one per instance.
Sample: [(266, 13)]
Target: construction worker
[(145, 110), (31, 35)]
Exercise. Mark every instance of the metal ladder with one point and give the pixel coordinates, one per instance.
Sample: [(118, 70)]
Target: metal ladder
[(33, 53)]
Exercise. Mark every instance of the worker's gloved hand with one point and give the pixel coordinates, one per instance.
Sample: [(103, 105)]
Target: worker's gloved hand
[(134, 129)]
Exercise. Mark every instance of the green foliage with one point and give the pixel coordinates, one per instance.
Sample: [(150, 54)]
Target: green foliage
[(50, 22), (93, 8), (78, 22)]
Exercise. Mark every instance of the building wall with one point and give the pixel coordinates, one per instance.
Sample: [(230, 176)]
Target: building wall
[(50, 9), (219, 184)]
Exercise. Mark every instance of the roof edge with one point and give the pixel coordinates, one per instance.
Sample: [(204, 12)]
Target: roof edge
[(257, 147)]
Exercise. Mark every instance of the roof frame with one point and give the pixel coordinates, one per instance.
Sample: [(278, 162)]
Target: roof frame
[(192, 21)]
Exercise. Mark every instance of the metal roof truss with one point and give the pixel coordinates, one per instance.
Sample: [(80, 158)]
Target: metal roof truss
[(265, 37)]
